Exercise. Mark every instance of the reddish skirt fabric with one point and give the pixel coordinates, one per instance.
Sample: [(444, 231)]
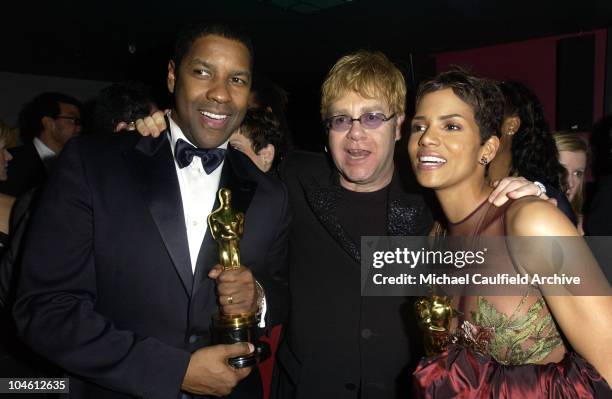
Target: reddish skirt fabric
[(459, 373)]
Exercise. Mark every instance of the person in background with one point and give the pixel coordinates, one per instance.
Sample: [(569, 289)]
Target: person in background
[(16, 359), (6, 206), (6, 201), (260, 138), (119, 105), (573, 155), (117, 102), (527, 147), (46, 124), (11, 135), (267, 95)]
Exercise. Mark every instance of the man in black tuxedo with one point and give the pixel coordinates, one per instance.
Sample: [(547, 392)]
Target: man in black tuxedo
[(46, 123), (118, 282)]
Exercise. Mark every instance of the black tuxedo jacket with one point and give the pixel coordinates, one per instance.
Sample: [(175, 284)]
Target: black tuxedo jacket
[(339, 344), (25, 171), (107, 290)]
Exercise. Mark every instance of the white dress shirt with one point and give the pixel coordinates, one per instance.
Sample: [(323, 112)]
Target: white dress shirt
[(46, 154), (198, 194)]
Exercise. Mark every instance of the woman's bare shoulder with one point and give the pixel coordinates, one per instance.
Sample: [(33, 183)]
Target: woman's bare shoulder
[(531, 216)]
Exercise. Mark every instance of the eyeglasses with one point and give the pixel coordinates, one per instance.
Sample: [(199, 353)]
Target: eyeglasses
[(369, 120), (74, 119)]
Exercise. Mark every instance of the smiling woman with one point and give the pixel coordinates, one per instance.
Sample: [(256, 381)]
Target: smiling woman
[(514, 344), (456, 123)]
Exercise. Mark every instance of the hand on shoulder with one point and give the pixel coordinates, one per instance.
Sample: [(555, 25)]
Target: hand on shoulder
[(152, 125)]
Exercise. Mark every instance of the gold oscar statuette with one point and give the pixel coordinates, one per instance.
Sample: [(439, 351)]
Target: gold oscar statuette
[(226, 227), (434, 316)]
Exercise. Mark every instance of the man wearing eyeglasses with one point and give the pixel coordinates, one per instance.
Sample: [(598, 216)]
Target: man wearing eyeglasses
[(46, 124), (337, 343)]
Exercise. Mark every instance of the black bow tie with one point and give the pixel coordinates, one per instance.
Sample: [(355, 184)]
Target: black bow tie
[(211, 158)]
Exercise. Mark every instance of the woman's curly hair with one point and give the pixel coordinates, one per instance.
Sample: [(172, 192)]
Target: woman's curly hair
[(534, 153)]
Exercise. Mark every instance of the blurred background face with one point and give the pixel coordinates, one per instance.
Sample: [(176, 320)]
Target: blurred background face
[(575, 163), (5, 157), (66, 125), (211, 89)]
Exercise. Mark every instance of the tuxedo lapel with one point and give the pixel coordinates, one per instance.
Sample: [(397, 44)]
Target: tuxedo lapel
[(152, 165), (235, 178), (243, 189)]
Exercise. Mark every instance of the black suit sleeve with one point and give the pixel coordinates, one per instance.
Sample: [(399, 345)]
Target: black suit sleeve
[(274, 282), (55, 309)]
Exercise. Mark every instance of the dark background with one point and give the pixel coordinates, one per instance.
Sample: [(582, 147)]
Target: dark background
[(296, 42)]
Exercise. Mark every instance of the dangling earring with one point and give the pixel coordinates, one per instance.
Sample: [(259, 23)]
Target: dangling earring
[(483, 161), (510, 132)]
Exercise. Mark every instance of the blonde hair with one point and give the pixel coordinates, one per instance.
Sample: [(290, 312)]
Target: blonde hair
[(568, 141), (370, 74), (10, 135)]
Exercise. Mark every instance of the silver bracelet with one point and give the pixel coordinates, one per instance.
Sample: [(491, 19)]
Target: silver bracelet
[(261, 297)]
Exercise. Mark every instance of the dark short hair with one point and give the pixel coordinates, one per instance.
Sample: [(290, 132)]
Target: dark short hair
[(483, 95), (263, 128), (191, 33), (121, 102), (45, 104)]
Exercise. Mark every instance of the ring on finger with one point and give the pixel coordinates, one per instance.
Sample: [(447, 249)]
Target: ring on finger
[(230, 299), (541, 188)]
